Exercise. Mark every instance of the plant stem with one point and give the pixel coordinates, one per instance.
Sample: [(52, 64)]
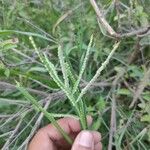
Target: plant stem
[(98, 72), (47, 115)]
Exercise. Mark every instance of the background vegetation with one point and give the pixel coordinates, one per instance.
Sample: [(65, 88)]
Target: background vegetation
[(119, 101)]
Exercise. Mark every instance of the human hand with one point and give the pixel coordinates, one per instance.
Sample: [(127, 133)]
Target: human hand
[(48, 138)]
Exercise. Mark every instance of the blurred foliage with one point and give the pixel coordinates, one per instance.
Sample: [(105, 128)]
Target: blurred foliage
[(18, 61)]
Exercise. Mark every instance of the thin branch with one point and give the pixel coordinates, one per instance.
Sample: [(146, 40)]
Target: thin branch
[(14, 102), (55, 95), (140, 88), (6, 134), (21, 131), (136, 51), (111, 31), (5, 116), (26, 56), (98, 72), (112, 122), (8, 86), (138, 32), (29, 22), (35, 127), (14, 116), (64, 16), (9, 65), (5, 146), (102, 20), (113, 110), (116, 2)]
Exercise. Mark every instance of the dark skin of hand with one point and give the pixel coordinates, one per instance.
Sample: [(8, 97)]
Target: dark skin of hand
[(48, 138)]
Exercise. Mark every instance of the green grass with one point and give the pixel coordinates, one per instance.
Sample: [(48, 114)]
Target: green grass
[(72, 59)]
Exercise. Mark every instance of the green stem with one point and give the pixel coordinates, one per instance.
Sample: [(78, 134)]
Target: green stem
[(47, 115)]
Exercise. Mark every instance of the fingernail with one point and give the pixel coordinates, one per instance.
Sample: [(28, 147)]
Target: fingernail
[(86, 139)]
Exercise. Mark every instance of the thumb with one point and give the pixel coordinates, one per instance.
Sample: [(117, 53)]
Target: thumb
[(84, 141)]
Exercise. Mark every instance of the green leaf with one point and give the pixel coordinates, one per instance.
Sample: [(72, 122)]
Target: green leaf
[(63, 67), (145, 40), (96, 125), (49, 116), (135, 71), (146, 96), (103, 30), (8, 32), (148, 134), (83, 65), (7, 72), (120, 16), (52, 71), (8, 44), (38, 69), (48, 65), (139, 10), (98, 72), (101, 104), (145, 118), (124, 92)]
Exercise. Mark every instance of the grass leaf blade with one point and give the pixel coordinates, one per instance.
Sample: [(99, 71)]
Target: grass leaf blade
[(63, 66), (47, 115), (98, 72), (84, 65)]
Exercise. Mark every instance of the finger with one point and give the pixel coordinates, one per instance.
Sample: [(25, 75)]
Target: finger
[(97, 136), (69, 125), (98, 146), (43, 136), (41, 142), (84, 141)]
